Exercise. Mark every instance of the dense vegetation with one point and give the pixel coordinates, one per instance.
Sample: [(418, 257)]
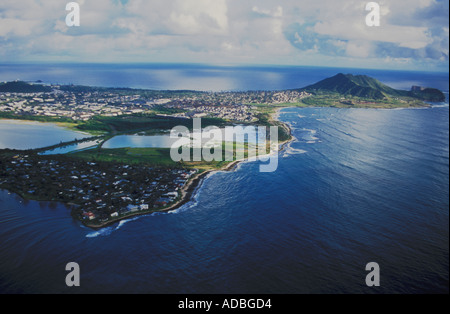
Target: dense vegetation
[(142, 122), (10, 115), (131, 91), (22, 87)]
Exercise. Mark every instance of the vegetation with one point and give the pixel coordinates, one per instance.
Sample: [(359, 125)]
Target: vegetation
[(22, 87), (142, 122), (150, 156), (156, 157), (131, 91), (100, 192), (332, 99), (428, 94), (369, 88), (10, 115)]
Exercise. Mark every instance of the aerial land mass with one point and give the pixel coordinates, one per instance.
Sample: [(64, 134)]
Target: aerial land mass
[(103, 186)]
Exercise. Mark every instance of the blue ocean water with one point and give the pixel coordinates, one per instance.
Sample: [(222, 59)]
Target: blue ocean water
[(205, 77), (356, 186)]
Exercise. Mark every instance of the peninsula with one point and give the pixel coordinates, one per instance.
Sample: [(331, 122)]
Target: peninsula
[(103, 186)]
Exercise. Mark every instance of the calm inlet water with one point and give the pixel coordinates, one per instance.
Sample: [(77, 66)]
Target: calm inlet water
[(356, 186), (206, 138), (16, 134)]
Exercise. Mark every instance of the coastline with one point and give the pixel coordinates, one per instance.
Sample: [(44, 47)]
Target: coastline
[(188, 190), (195, 182)]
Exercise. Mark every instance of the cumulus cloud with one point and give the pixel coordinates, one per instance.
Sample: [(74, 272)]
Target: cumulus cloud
[(412, 32)]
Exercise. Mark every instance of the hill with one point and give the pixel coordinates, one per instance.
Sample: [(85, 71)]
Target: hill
[(367, 87), (427, 94), (23, 87)]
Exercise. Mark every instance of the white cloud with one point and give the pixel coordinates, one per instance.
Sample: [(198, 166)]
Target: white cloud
[(200, 17), (359, 50), (16, 27), (225, 31)]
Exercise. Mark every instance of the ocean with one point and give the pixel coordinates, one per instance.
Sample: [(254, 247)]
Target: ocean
[(205, 77), (355, 186)]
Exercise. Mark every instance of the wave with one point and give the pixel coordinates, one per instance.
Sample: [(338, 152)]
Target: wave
[(108, 230), (310, 138), (186, 207), (442, 105), (193, 202), (290, 151), (102, 232), (189, 205)]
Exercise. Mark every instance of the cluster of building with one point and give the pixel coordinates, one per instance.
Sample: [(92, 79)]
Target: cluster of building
[(99, 191), (79, 104), (234, 106), (240, 98), (74, 105), (241, 113)]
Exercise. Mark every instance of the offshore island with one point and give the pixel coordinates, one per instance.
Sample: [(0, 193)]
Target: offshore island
[(103, 186)]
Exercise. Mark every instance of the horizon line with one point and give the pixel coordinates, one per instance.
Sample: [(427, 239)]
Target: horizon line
[(217, 65)]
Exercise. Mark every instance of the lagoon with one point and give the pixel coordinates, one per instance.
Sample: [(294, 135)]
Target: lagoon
[(153, 141), (16, 134), (211, 136)]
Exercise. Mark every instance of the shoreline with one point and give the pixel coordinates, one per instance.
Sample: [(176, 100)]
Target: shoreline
[(187, 191), (196, 182), (186, 196)]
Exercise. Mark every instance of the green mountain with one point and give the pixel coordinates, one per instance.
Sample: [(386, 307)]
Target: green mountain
[(23, 87), (367, 87), (427, 94)]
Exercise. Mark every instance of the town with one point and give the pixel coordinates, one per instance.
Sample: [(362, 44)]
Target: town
[(101, 192), (98, 191), (81, 104)]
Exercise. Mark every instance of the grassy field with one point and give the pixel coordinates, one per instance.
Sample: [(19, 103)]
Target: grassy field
[(156, 157), (151, 156), (160, 157), (339, 101), (149, 123)]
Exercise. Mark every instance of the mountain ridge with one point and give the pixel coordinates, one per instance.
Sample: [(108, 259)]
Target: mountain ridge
[(367, 87), (361, 86), (23, 87)]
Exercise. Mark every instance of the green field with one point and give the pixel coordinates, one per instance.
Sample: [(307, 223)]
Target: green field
[(151, 156), (158, 157), (328, 99), (148, 123)]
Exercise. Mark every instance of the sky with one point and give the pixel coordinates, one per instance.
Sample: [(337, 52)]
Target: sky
[(413, 34)]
